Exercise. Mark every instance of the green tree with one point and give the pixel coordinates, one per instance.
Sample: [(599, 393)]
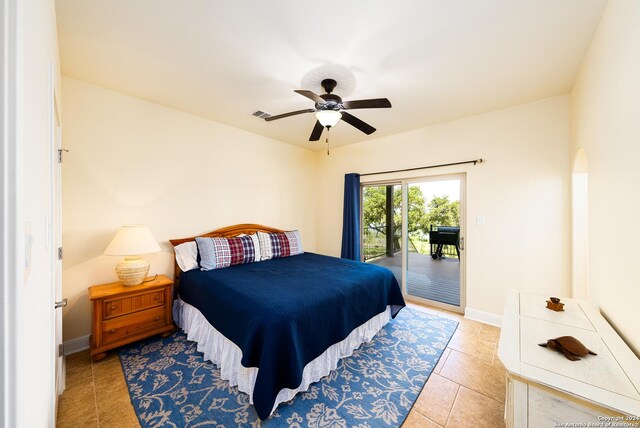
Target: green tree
[(443, 212), (375, 210)]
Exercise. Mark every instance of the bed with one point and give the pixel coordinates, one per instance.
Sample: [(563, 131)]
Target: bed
[(276, 326)]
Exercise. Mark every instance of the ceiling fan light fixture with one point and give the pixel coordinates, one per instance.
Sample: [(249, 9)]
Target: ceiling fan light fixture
[(329, 109), (328, 118)]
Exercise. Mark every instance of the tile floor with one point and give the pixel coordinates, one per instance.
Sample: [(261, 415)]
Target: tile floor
[(466, 387)]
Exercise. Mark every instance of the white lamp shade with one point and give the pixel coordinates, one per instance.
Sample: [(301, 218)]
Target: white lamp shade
[(132, 240), (328, 118)]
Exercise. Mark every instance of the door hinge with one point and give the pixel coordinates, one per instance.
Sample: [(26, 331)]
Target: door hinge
[(60, 350), (59, 253), (60, 151)]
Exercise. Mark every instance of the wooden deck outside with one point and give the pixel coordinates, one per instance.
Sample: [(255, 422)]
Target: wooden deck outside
[(437, 280)]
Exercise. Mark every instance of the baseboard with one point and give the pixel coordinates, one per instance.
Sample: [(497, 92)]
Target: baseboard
[(76, 345), (482, 316)]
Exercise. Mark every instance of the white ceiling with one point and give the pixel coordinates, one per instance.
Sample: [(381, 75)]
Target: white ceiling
[(435, 60)]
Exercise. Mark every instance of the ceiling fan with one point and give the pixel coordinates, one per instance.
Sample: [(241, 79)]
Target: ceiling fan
[(330, 108)]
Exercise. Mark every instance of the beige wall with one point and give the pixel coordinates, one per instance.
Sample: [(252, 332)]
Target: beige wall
[(39, 55), (605, 106), (132, 161), (522, 189)]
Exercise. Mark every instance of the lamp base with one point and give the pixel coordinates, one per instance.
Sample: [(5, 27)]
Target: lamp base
[(132, 270)]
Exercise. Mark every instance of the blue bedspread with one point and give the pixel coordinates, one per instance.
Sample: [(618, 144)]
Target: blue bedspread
[(283, 313)]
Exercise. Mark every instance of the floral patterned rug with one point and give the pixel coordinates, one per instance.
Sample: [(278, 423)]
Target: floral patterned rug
[(171, 385)]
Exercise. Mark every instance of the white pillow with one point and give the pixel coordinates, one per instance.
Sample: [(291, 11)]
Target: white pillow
[(187, 256)]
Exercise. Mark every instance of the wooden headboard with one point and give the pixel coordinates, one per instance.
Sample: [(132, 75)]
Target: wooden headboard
[(225, 232)]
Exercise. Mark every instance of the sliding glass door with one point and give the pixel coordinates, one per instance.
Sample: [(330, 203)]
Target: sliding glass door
[(416, 229)]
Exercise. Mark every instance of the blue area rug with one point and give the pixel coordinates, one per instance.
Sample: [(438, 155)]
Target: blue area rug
[(171, 385)]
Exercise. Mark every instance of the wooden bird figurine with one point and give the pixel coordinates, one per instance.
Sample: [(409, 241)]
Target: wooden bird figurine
[(571, 347)]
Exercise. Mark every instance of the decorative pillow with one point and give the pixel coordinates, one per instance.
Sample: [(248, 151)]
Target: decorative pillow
[(218, 253), (187, 256), (256, 246), (295, 242), (280, 244)]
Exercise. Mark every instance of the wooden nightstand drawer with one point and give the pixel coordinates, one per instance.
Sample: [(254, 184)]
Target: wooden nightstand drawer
[(130, 325), (117, 307)]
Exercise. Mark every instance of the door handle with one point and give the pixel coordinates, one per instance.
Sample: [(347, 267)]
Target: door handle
[(462, 242), (61, 304)]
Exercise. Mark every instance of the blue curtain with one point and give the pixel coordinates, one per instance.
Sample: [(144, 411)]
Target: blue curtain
[(351, 218)]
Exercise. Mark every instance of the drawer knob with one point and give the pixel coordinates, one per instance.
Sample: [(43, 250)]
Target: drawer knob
[(157, 297), (112, 331), (157, 318)]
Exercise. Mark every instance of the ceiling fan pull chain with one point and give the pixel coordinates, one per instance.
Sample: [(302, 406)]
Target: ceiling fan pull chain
[(327, 140)]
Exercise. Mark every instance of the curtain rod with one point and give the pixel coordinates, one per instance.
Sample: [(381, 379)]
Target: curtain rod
[(475, 161)]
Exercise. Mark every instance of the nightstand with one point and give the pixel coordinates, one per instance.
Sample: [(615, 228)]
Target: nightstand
[(124, 314)]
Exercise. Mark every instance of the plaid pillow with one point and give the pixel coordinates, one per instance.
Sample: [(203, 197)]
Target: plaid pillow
[(295, 243), (279, 244), (218, 253)]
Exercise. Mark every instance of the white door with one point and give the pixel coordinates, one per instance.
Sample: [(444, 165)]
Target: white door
[(56, 240)]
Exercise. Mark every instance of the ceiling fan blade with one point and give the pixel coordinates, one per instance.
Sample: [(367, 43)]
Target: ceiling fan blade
[(372, 103), (357, 123), (310, 94), (291, 113), (317, 132)]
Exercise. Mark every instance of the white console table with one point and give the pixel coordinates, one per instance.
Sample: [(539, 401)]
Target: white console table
[(544, 389)]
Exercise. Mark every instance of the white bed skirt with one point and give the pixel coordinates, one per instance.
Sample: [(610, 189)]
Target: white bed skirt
[(228, 356)]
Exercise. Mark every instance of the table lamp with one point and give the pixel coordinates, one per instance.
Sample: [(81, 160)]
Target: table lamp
[(131, 241)]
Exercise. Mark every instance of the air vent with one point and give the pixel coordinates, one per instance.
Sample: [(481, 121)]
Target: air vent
[(261, 114)]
